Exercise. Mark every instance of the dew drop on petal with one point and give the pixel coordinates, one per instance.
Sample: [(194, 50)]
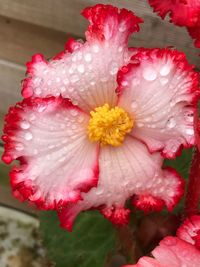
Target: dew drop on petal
[(134, 104), (171, 123), (74, 78), (66, 81), (164, 81), (62, 89), (88, 57), (189, 116), (149, 74), (74, 112), (122, 27), (113, 68), (170, 241), (189, 131), (165, 70), (95, 48), (35, 151), (139, 124), (28, 136), (32, 117), (41, 108), (19, 147), (38, 91), (25, 125), (81, 68)]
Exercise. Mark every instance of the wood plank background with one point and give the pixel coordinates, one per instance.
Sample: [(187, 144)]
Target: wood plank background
[(31, 26)]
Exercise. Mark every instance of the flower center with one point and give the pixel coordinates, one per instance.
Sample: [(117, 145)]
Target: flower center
[(109, 125)]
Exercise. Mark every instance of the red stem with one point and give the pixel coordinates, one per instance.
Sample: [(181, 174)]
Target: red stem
[(193, 192)]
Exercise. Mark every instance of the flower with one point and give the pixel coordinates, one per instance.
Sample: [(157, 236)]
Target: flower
[(177, 251), (95, 119), (182, 13)]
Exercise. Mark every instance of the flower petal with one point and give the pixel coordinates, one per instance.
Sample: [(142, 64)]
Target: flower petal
[(57, 161), (190, 230), (171, 252), (87, 75), (125, 171), (159, 89), (182, 12)]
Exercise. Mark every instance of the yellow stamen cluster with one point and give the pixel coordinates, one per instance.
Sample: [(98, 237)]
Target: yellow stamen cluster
[(109, 125)]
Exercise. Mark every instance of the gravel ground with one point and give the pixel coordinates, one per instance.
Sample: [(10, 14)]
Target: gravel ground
[(20, 245)]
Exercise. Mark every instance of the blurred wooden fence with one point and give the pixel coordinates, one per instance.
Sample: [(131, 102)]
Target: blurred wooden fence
[(31, 26)]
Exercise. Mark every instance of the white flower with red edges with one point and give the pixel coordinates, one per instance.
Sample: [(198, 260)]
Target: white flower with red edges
[(180, 251), (182, 13), (97, 118)]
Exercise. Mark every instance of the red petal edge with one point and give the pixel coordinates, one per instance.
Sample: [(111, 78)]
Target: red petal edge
[(124, 22), (179, 60), (26, 189)]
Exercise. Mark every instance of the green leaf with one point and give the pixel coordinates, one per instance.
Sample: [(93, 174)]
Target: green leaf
[(181, 163), (92, 239)]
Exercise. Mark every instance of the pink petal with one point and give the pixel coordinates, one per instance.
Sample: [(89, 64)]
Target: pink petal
[(87, 75), (147, 262), (175, 252), (57, 161), (125, 171), (159, 89), (172, 252), (181, 12), (190, 229)]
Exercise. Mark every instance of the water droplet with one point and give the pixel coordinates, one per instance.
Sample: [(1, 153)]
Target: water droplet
[(113, 68), (80, 119), (120, 49), (74, 127), (99, 192), (32, 117), (189, 116), (49, 82), (57, 79), (19, 147), (169, 241), (70, 89), (61, 159), (74, 112), (66, 81), (81, 68), (62, 89), (149, 74), (28, 136), (25, 125), (134, 104), (171, 123), (74, 78), (163, 81), (139, 124), (95, 48), (124, 83), (38, 91), (92, 83), (37, 81), (189, 131), (41, 108), (148, 119), (122, 27), (88, 57), (165, 70), (35, 151)]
